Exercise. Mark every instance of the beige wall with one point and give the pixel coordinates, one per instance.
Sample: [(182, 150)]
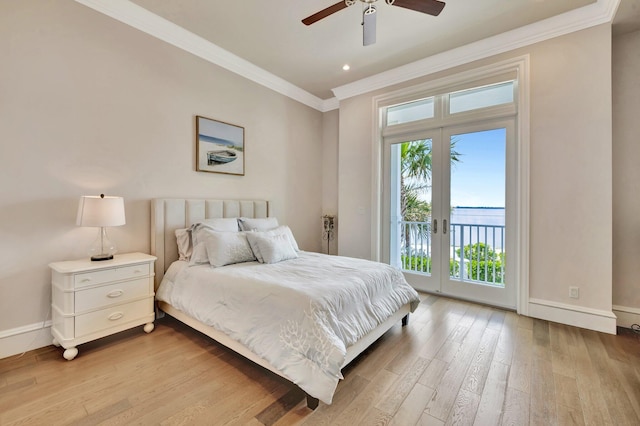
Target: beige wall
[(90, 105), (570, 161), (330, 174), (626, 171)]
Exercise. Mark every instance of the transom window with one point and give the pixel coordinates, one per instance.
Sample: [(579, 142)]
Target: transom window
[(480, 99)]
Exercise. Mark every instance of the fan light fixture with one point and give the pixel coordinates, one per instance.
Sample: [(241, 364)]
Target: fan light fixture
[(430, 7), (101, 211)]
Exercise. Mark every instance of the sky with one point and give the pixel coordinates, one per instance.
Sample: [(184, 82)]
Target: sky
[(478, 179)]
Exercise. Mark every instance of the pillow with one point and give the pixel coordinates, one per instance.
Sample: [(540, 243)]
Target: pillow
[(217, 224), (272, 248), (226, 248), (222, 224), (287, 231), (257, 224), (183, 238), (281, 230), (199, 255)]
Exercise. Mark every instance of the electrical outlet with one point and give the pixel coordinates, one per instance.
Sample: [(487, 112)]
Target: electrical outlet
[(574, 292)]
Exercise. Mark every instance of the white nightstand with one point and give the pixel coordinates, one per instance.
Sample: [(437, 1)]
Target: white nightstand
[(90, 300)]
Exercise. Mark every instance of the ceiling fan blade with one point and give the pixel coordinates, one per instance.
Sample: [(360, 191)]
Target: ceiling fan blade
[(430, 7), (324, 13), (369, 26)]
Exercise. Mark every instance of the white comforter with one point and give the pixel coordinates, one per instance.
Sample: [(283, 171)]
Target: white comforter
[(300, 314)]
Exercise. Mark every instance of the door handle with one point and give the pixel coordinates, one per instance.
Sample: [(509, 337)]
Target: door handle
[(435, 226), (444, 226)]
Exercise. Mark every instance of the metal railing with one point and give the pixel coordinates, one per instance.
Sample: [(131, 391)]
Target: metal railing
[(476, 251)]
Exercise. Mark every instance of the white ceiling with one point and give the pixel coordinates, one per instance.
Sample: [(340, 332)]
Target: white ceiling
[(253, 37)]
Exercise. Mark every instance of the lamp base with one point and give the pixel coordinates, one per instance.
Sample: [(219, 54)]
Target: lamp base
[(99, 257)]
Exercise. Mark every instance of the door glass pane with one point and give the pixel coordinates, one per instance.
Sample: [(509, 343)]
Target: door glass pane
[(411, 206), (412, 111), (477, 219), (481, 97)]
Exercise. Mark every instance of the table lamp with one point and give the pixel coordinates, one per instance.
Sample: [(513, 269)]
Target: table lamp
[(101, 211)]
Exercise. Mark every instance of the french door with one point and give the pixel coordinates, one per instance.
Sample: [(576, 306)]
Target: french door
[(449, 198)]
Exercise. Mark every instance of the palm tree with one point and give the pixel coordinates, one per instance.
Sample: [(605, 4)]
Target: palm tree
[(415, 177)]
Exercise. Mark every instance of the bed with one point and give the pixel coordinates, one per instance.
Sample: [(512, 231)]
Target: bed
[(232, 311)]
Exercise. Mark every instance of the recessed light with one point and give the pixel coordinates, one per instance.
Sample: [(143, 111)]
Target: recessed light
[(346, 67)]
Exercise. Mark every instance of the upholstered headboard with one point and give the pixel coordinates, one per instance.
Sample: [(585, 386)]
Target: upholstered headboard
[(169, 214)]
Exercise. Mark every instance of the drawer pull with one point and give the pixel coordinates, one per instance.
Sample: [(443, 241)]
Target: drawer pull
[(115, 293), (115, 316), (85, 280)]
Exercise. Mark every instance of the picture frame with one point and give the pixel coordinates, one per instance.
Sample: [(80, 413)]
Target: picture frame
[(220, 147)]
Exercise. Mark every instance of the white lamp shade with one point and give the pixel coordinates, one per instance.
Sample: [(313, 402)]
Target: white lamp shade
[(100, 211)]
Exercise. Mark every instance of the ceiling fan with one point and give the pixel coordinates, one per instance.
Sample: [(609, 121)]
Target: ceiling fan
[(430, 7)]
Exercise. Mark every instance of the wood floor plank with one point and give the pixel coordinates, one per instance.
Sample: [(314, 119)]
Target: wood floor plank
[(520, 372), (412, 407), (434, 372), (516, 408), (497, 319), (399, 391), (375, 417), (477, 373), (594, 408), (569, 416), (507, 340), (344, 396), (493, 395), (428, 420), (365, 401), (446, 392), (464, 408), (543, 396), (616, 397), (541, 343)]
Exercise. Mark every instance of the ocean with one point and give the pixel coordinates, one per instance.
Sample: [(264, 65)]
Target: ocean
[(478, 216)]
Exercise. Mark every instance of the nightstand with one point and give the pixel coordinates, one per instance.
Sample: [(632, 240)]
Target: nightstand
[(90, 300)]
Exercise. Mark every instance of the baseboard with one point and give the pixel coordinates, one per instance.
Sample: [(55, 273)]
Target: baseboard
[(23, 339), (626, 316), (578, 316)]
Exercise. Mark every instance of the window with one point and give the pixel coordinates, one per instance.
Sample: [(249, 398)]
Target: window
[(481, 97), (412, 111)]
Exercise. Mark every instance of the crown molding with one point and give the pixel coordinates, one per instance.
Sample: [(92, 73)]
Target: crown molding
[(137, 17), (140, 18), (588, 16)]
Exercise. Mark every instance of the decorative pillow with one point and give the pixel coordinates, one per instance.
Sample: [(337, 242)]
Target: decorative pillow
[(257, 224), (281, 230), (272, 248), (183, 238), (226, 248), (287, 231)]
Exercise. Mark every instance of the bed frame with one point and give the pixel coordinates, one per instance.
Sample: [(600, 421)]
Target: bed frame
[(167, 215)]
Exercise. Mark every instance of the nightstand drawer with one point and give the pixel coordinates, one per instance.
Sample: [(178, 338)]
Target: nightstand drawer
[(106, 295), (107, 275), (111, 317)]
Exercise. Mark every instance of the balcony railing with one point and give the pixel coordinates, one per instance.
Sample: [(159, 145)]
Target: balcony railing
[(476, 251)]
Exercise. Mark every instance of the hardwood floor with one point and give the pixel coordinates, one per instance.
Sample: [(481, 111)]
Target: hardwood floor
[(455, 363)]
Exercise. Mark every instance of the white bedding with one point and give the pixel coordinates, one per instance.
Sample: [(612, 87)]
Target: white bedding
[(300, 314)]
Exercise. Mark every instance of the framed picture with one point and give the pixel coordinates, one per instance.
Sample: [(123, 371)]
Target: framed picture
[(219, 147)]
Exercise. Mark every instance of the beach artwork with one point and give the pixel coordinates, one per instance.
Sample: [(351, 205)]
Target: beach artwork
[(219, 147)]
